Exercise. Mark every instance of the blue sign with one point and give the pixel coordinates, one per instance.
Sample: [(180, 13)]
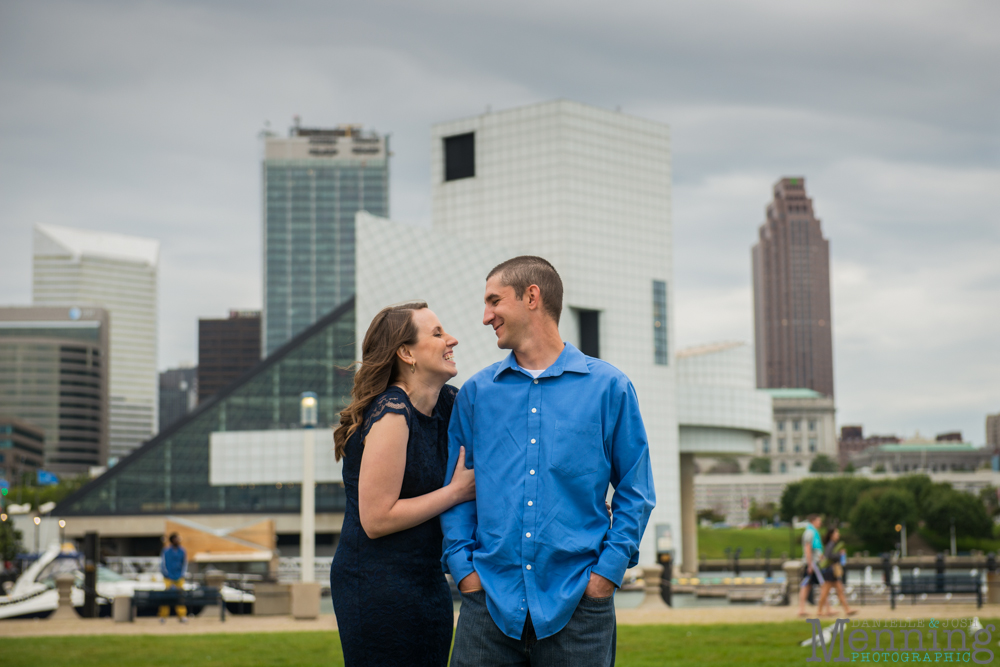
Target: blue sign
[(4, 484), (46, 478)]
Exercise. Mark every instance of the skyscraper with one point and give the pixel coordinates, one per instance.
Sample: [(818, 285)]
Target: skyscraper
[(54, 375), (74, 267), (313, 184), (178, 394), (226, 350), (791, 286)]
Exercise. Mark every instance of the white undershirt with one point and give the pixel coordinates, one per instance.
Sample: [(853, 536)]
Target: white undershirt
[(534, 374)]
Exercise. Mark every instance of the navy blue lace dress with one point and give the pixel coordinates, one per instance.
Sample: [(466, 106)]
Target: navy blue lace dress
[(392, 601)]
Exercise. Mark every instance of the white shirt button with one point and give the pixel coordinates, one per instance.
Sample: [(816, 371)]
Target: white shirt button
[(527, 534), (532, 441), (534, 410), (527, 566), (531, 472), (536, 381), (530, 503)]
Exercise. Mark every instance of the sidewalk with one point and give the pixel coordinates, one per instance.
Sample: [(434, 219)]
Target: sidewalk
[(649, 615)]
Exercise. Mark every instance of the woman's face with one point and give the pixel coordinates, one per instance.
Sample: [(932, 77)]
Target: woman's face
[(835, 535), (434, 349)]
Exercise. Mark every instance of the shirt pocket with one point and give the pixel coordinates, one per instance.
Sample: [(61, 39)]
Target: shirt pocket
[(579, 449)]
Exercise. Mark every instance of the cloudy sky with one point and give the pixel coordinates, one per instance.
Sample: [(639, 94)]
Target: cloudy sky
[(142, 118)]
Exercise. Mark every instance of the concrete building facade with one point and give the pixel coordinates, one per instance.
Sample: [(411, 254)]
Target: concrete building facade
[(314, 181), (921, 455), (804, 427), (590, 191), (791, 286), (720, 411), (73, 267), (54, 377)]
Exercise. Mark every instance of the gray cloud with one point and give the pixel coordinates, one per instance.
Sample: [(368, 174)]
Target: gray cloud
[(142, 119)]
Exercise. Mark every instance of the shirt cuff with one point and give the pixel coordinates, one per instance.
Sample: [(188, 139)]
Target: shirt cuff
[(459, 565), (612, 565)]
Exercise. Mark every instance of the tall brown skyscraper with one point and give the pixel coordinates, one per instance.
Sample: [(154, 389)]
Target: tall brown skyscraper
[(791, 289)]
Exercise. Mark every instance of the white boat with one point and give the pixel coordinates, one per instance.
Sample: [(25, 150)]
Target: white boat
[(34, 594)]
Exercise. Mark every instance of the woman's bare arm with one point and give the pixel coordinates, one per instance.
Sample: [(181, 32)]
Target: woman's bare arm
[(382, 466)]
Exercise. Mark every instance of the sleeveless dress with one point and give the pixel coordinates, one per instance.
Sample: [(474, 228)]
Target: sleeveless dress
[(392, 601)]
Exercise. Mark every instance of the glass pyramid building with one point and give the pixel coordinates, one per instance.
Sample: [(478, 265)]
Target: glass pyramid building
[(170, 472)]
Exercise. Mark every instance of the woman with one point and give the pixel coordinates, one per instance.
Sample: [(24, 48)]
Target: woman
[(392, 601), (834, 559)]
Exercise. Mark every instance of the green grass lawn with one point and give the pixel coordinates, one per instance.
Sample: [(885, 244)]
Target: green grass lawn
[(701, 645), (712, 542)]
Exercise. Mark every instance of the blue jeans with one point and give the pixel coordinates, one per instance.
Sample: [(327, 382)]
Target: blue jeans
[(588, 640)]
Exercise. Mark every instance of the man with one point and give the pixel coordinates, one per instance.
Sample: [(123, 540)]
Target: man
[(812, 553), (173, 566), (547, 430)]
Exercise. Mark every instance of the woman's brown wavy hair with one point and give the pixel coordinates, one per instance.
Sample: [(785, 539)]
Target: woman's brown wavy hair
[(392, 328)]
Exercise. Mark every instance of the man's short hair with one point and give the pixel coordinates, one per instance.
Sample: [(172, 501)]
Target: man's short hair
[(521, 272), (173, 538), (812, 517)]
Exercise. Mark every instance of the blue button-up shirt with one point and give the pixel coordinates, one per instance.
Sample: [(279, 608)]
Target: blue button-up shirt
[(545, 451)]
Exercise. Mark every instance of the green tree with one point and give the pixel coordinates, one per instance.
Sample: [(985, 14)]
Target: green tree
[(39, 495), (823, 463), (760, 464), (991, 500), (877, 513), (10, 541), (710, 515), (789, 498), (762, 513), (968, 512)]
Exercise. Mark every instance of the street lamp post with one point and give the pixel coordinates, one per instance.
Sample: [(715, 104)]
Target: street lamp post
[(307, 539), (62, 531), (38, 521)]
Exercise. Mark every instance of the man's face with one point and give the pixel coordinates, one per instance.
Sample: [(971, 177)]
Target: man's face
[(505, 313)]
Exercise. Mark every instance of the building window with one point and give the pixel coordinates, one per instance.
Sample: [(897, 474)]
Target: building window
[(783, 467), (798, 448), (796, 424), (781, 426), (766, 445), (590, 332), (781, 444), (812, 424), (798, 464), (660, 321), (812, 445), (460, 156)]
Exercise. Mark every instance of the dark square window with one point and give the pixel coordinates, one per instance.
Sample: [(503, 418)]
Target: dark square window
[(590, 333), (460, 156)]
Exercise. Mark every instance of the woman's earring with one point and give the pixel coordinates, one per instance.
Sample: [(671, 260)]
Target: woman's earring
[(413, 367)]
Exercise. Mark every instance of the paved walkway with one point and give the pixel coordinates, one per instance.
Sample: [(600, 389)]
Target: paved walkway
[(654, 613)]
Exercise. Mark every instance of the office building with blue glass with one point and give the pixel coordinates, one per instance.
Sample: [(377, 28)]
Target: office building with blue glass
[(314, 182)]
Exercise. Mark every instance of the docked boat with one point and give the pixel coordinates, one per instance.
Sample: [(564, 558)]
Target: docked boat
[(34, 594)]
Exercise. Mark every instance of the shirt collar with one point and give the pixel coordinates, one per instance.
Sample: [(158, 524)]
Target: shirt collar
[(570, 359)]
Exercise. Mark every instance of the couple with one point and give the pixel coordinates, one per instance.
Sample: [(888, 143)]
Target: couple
[(517, 465)]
